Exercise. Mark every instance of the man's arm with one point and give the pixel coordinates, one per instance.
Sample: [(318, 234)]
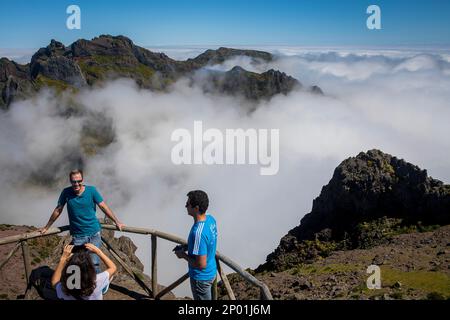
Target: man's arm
[(198, 262), (104, 207), (55, 215)]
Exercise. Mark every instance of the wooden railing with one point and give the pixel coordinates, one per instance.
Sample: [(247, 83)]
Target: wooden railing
[(21, 241)]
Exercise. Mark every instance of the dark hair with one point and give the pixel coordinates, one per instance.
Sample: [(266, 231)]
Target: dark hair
[(76, 171), (81, 258), (198, 198)]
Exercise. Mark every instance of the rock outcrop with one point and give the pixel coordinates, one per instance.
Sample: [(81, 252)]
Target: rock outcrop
[(15, 81), (368, 193), (250, 85)]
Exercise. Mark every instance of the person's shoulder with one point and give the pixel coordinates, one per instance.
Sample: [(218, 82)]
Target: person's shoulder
[(91, 189), (102, 280), (102, 276), (67, 189), (59, 292), (211, 219)]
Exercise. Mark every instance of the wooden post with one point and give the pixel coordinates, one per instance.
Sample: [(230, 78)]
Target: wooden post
[(126, 267), (214, 289), (265, 292), (26, 261), (154, 267), (225, 281), (171, 287)]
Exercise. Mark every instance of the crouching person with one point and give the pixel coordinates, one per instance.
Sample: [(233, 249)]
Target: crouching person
[(75, 277)]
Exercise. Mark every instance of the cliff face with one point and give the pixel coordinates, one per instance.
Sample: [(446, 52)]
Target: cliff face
[(87, 62)]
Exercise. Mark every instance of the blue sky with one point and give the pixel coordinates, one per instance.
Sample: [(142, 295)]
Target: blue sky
[(31, 24)]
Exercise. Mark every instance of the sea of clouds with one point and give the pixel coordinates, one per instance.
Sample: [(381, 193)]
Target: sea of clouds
[(396, 100)]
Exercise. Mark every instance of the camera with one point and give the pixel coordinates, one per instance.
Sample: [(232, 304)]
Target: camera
[(180, 247)]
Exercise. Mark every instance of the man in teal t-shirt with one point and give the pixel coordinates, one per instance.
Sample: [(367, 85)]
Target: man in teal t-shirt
[(201, 250), (81, 203)]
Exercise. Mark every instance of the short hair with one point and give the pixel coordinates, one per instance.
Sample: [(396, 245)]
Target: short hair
[(198, 198), (76, 171)]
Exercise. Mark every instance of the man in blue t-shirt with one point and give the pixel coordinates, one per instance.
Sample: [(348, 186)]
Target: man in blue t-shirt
[(81, 203), (202, 241)]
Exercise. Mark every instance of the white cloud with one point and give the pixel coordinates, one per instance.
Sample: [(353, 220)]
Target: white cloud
[(22, 56)]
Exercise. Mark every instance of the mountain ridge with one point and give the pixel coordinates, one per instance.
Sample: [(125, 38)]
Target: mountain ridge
[(87, 62)]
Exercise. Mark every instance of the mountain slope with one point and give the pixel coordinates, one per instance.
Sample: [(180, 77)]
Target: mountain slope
[(413, 266)]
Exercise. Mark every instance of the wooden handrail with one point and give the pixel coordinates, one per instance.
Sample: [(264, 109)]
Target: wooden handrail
[(225, 281), (32, 235), (264, 290), (10, 254)]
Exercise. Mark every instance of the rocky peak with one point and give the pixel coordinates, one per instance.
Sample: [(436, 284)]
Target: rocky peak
[(316, 90), (55, 46), (220, 55), (372, 185), (366, 188), (103, 45), (253, 86)]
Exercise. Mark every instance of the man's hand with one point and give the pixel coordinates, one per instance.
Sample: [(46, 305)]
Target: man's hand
[(119, 225), (180, 254)]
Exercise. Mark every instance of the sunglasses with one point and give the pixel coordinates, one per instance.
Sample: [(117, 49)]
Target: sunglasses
[(76, 181)]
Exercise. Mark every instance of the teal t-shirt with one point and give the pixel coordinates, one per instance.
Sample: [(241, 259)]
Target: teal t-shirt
[(82, 210)]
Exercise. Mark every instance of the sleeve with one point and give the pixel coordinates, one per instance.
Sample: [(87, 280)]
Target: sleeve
[(203, 250), (59, 292), (62, 199), (102, 280), (96, 195), (200, 247)]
